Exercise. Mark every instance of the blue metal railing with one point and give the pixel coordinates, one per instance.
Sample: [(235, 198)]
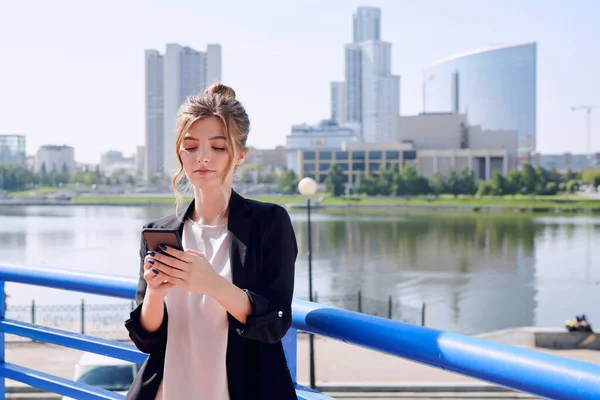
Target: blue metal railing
[(516, 368)]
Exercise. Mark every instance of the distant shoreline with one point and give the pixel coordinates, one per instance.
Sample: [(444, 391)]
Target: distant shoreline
[(521, 205)]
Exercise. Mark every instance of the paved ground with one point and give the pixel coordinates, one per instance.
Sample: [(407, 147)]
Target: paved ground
[(342, 363), (338, 366)]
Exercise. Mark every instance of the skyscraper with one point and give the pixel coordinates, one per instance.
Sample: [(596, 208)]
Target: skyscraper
[(170, 79), (367, 24), (380, 92), (495, 86), (372, 92), (352, 77), (153, 159), (213, 64), (338, 102)]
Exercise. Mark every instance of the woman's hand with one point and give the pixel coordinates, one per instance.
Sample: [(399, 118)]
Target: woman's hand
[(189, 269), (156, 287)]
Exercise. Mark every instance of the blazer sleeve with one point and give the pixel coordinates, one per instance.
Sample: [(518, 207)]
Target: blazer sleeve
[(146, 342), (271, 314)]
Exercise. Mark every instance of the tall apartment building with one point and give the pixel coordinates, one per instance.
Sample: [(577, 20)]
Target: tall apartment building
[(170, 79), (371, 92)]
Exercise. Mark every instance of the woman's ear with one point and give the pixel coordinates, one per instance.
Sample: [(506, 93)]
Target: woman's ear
[(241, 159)]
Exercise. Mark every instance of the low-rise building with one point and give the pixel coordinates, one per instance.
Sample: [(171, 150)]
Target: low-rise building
[(267, 157), (55, 158), (12, 149), (327, 135), (432, 143)]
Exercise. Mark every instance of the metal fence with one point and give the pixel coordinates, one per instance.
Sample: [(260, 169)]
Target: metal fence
[(389, 308), (100, 320), (106, 320)]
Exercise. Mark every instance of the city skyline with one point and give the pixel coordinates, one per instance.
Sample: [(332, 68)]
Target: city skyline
[(281, 71)]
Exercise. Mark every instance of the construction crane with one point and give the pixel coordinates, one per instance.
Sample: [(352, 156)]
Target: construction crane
[(588, 112)]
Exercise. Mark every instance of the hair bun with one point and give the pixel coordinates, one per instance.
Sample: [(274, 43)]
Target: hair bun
[(219, 88)]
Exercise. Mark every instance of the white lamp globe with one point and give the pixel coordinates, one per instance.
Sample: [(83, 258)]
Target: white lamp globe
[(307, 186)]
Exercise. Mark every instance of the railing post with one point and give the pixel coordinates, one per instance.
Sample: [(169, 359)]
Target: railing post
[(390, 307), (290, 347), (33, 312), (82, 316), (2, 340), (423, 314), (359, 301)]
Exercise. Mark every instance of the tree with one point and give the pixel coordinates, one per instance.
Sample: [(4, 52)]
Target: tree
[(44, 178), (529, 179), (367, 185), (513, 183), (287, 182), (468, 183), (571, 176), (572, 186), (551, 188), (335, 181), (437, 183), (484, 189), (453, 184), (384, 181), (415, 184), (397, 187), (498, 184)]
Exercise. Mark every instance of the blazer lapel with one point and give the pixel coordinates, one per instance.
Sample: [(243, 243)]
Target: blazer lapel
[(177, 221), (238, 226)]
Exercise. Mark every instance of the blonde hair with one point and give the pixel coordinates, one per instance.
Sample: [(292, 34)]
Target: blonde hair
[(217, 101)]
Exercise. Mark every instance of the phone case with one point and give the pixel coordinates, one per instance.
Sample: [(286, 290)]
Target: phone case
[(157, 236)]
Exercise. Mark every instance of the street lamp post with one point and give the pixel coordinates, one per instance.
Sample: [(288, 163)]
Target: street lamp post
[(307, 188), (588, 111)]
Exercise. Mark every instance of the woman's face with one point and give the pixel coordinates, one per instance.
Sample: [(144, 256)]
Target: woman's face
[(204, 154)]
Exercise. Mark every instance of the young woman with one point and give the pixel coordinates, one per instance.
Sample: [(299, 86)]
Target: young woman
[(212, 317)]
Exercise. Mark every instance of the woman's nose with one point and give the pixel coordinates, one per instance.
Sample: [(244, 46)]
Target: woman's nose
[(203, 154)]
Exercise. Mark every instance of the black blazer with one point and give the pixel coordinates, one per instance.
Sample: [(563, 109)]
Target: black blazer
[(263, 252)]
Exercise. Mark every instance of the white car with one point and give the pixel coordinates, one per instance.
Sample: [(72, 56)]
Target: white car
[(105, 372)]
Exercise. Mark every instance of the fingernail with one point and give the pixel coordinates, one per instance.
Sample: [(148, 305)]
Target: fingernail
[(155, 271), (151, 253), (151, 261), (163, 247)]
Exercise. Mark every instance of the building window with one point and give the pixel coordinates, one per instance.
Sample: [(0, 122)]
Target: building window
[(341, 155), (322, 178), (391, 165), (373, 167), (392, 155), (375, 155), (343, 166), (325, 155), (358, 166), (309, 155), (310, 167), (409, 155), (324, 166), (358, 155)]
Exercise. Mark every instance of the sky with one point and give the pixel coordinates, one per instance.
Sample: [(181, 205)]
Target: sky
[(72, 72)]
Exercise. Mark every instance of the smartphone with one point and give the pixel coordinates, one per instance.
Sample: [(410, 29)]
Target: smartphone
[(157, 236)]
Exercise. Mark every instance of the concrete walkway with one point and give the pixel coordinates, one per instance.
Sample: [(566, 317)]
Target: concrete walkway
[(339, 367)]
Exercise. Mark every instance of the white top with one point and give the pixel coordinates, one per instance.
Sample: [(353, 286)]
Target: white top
[(197, 331)]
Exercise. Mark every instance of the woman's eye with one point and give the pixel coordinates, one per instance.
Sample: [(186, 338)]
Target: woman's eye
[(190, 148), (219, 148)]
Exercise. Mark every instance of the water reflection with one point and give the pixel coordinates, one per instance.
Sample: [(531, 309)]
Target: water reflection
[(474, 272)]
